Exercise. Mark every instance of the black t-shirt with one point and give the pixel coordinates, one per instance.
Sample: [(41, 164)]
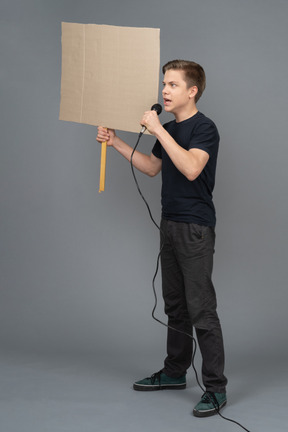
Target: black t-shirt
[(184, 200)]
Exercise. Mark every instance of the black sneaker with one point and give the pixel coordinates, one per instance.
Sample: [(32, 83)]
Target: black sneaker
[(160, 381), (210, 404)]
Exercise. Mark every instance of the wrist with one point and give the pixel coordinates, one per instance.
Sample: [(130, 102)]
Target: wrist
[(116, 142), (159, 132)]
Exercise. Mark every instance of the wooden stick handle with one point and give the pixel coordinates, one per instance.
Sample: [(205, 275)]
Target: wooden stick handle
[(103, 167)]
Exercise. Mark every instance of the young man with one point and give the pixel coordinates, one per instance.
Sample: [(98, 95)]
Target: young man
[(186, 152)]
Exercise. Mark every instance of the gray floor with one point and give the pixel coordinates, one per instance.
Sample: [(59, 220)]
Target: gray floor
[(91, 393)]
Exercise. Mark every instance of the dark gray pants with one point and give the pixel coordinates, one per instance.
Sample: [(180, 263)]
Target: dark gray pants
[(190, 301)]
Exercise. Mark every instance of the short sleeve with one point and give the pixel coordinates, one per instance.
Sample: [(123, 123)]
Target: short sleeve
[(157, 150), (205, 137)]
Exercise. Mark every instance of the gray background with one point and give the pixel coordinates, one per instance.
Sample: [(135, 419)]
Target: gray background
[(76, 265)]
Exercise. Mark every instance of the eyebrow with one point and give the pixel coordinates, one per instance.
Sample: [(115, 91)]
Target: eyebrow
[(170, 82)]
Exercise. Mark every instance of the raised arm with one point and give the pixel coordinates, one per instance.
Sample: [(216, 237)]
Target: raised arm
[(189, 162)]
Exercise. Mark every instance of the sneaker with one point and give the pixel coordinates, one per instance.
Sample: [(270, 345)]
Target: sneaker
[(160, 381), (210, 404)]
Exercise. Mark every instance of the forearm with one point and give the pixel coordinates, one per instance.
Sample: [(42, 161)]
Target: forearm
[(141, 161), (183, 159)]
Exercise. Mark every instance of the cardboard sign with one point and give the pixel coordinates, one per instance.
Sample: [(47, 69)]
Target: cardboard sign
[(110, 74)]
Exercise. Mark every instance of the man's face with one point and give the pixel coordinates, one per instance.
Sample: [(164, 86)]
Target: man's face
[(176, 95)]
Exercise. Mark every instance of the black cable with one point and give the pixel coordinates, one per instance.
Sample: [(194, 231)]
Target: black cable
[(194, 342), (139, 190)]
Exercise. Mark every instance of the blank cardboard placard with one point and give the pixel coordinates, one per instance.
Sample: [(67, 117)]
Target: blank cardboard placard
[(110, 74)]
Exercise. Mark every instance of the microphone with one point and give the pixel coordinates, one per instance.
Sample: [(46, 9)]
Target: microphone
[(156, 107)]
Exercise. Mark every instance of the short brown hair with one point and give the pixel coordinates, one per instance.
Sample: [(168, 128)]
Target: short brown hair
[(194, 74)]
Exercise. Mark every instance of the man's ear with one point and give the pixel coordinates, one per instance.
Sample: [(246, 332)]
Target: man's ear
[(193, 91)]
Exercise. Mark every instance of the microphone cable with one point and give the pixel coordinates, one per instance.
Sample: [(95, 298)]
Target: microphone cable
[(194, 342)]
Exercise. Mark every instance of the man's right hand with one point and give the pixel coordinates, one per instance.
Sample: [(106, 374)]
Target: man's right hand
[(106, 135)]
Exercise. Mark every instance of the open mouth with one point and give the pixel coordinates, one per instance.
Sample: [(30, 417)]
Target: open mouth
[(167, 101)]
